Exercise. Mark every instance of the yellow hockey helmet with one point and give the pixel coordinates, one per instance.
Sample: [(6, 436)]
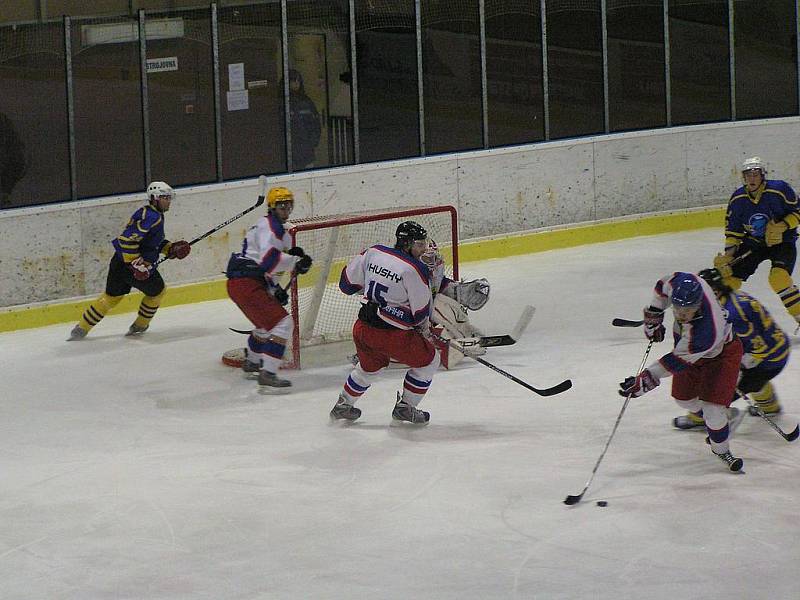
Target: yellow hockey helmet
[(279, 194)]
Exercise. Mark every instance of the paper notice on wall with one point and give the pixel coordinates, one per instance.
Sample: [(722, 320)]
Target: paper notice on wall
[(157, 65), (238, 100), (236, 76)]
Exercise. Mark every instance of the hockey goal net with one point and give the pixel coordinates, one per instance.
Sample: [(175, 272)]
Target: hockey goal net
[(322, 313)]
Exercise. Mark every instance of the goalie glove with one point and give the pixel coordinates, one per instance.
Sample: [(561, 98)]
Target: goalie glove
[(654, 328), (472, 294), (639, 385)]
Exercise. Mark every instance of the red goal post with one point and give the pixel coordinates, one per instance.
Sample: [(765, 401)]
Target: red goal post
[(321, 312)]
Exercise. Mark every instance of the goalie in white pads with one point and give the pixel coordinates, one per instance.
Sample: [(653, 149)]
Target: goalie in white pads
[(451, 300)]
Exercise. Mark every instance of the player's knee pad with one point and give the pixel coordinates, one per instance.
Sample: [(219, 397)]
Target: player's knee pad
[(715, 415), (108, 302), (426, 373), (692, 405), (779, 279), (361, 377), (260, 335), (155, 301), (284, 328), (765, 394)]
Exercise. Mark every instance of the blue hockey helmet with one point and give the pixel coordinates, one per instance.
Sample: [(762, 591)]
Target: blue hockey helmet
[(686, 290)]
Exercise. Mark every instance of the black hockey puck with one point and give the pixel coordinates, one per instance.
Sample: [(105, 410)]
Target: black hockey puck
[(602, 503)]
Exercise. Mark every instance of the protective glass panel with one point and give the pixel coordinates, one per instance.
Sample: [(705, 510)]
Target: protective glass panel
[(699, 69), (34, 140), (514, 72), (765, 51), (636, 90), (253, 123), (107, 96), (320, 101), (181, 97), (388, 94), (452, 75), (575, 68), (89, 8)]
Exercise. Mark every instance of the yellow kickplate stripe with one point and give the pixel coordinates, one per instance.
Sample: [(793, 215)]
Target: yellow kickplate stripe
[(40, 315)]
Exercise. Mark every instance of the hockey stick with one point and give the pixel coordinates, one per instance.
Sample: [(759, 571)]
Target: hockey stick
[(789, 437), (262, 181), (551, 391), (492, 341), (628, 323), (570, 500)]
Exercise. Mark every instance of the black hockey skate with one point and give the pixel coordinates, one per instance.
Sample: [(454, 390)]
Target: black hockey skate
[(269, 383), (251, 369), (734, 464), (136, 330), (411, 414), (343, 410), (77, 333)]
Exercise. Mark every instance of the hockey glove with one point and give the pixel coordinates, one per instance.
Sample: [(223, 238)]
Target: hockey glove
[(774, 232), (281, 295), (654, 324), (639, 385), (303, 265), (179, 249), (296, 251), (140, 269), (722, 263)]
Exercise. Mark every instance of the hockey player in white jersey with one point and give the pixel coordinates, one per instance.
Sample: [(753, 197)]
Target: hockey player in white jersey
[(393, 322), (252, 274), (704, 362)]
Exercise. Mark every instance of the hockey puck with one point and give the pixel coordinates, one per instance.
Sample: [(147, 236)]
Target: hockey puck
[(602, 503)]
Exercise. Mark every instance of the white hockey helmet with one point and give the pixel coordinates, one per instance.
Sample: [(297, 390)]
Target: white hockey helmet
[(754, 163), (157, 189)]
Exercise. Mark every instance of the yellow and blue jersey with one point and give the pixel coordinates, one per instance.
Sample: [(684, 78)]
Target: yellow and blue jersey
[(760, 335), (748, 214), (143, 236)]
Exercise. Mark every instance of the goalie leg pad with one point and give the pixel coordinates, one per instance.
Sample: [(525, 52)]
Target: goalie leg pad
[(453, 316), (234, 358)]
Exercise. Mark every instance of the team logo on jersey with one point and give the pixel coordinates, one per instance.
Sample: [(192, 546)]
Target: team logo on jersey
[(757, 224)]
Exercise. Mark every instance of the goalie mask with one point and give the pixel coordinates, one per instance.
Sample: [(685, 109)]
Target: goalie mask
[(431, 257)]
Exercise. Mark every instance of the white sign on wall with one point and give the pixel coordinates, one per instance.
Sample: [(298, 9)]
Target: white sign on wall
[(156, 65)]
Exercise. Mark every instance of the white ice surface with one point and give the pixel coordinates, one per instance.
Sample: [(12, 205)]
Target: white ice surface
[(143, 468)]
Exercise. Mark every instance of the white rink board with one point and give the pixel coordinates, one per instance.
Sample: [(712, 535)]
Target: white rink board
[(60, 251)]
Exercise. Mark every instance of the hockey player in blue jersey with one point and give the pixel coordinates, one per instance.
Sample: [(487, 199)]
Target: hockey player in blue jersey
[(136, 250), (766, 349), (761, 224)]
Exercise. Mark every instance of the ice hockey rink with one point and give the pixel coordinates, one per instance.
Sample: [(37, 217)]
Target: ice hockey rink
[(144, 468)]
